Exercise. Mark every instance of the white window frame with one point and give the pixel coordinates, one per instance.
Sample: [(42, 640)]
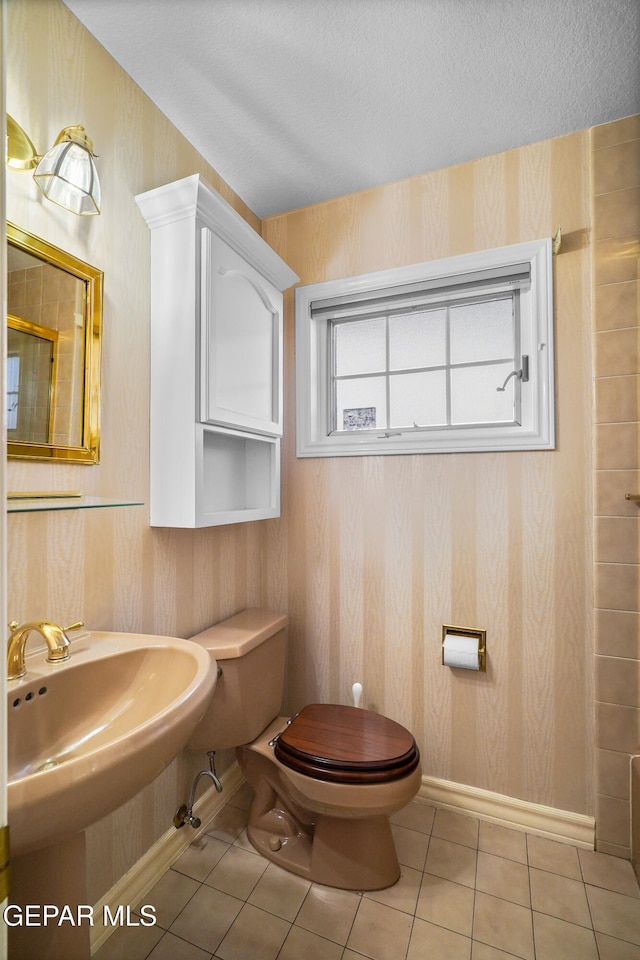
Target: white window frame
[(313, 362)]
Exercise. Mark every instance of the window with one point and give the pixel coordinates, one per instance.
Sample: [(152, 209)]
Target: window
[(450, 356)]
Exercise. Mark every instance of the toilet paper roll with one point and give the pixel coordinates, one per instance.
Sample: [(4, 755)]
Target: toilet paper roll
[(461, 651)]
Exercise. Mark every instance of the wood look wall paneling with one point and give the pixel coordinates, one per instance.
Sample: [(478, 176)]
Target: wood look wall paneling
[(513, 625), (349, 559), (400, 545), (491, 519), (433, 702), (108, 567)]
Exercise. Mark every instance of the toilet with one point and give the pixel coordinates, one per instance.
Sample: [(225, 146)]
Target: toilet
[(326, 781)]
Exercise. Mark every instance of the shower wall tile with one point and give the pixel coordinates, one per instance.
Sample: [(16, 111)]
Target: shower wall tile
[(617, 214), (618, 398), (617, 539), (616, 229), (635, 813), (617, 446), (616, 167), (619, 131), (612, 821), (616, 352), (618, 728), (611, 487), (617, 259), (614, 774), (616, 305), (618, 633), (618, 681), (617, 586)]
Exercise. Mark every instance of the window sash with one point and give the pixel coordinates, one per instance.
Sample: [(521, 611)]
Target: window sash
[(437, 301)]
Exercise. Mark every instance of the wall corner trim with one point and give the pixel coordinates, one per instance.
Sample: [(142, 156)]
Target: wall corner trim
[(563, 825), (140, 878)]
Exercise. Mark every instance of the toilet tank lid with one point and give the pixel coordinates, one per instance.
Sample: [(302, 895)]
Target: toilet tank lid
[(239, 634)]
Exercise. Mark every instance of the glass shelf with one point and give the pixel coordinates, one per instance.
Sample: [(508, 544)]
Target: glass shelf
[(35, 503)]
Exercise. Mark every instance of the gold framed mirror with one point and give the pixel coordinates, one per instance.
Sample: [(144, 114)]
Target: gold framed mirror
[(54, 334)]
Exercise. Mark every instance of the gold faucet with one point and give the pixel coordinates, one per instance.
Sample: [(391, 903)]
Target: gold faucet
[(55, 637)]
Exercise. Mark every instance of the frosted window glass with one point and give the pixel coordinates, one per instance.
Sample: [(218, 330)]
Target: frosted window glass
[(417, 340), (475, 398), (418, 398), (481, 331), (361, 404), (360, 347)]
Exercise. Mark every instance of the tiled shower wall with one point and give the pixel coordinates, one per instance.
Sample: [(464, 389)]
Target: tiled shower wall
[(616, 245)]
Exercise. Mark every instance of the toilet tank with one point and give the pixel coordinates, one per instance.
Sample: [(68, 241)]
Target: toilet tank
[(250, 649)]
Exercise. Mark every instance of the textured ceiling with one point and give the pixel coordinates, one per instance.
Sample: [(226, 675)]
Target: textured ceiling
[(297, 101)]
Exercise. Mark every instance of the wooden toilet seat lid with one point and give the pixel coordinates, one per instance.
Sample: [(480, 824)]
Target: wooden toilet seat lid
[(347, 745)]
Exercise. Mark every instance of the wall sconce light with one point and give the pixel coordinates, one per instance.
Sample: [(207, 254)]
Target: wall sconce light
[(21, 153), (66, 174)]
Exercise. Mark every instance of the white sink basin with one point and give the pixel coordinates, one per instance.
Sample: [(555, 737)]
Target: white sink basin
[(88, 733)]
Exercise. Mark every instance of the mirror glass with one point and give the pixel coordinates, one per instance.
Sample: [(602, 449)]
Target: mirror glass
[(54, 327)]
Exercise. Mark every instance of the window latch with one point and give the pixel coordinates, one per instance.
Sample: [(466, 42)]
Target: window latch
[(522, 374)]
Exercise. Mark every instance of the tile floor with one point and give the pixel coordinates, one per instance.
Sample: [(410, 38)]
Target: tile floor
[(469, 890)]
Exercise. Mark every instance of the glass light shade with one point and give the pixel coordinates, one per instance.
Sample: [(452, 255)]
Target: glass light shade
[(67, 174)]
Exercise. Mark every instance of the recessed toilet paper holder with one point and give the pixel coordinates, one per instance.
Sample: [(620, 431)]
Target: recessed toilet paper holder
[(480, 636)]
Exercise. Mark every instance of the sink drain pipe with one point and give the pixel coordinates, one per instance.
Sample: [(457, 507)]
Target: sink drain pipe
[(184, 814)]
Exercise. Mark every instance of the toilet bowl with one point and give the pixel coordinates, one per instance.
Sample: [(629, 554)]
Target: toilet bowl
[(325, 781)]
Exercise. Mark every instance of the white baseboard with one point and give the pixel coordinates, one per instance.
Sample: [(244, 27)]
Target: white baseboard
[(549, 822), (141, 877)]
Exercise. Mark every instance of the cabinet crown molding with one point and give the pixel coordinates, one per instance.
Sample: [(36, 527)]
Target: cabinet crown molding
[(192, 198)]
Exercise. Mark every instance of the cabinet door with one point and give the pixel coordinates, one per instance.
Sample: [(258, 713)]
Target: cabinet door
[(241, 342)]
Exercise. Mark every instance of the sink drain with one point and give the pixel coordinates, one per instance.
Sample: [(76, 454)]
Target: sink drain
[(48, 765)]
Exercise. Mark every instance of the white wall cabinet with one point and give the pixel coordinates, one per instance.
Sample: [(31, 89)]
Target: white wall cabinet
[(216, 360)]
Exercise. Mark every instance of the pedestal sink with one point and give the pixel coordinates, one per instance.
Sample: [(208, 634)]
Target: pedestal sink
[(88, 733)]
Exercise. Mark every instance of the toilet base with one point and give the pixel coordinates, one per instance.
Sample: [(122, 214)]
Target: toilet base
[(349, 854), (353, 854), (335, 834)]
